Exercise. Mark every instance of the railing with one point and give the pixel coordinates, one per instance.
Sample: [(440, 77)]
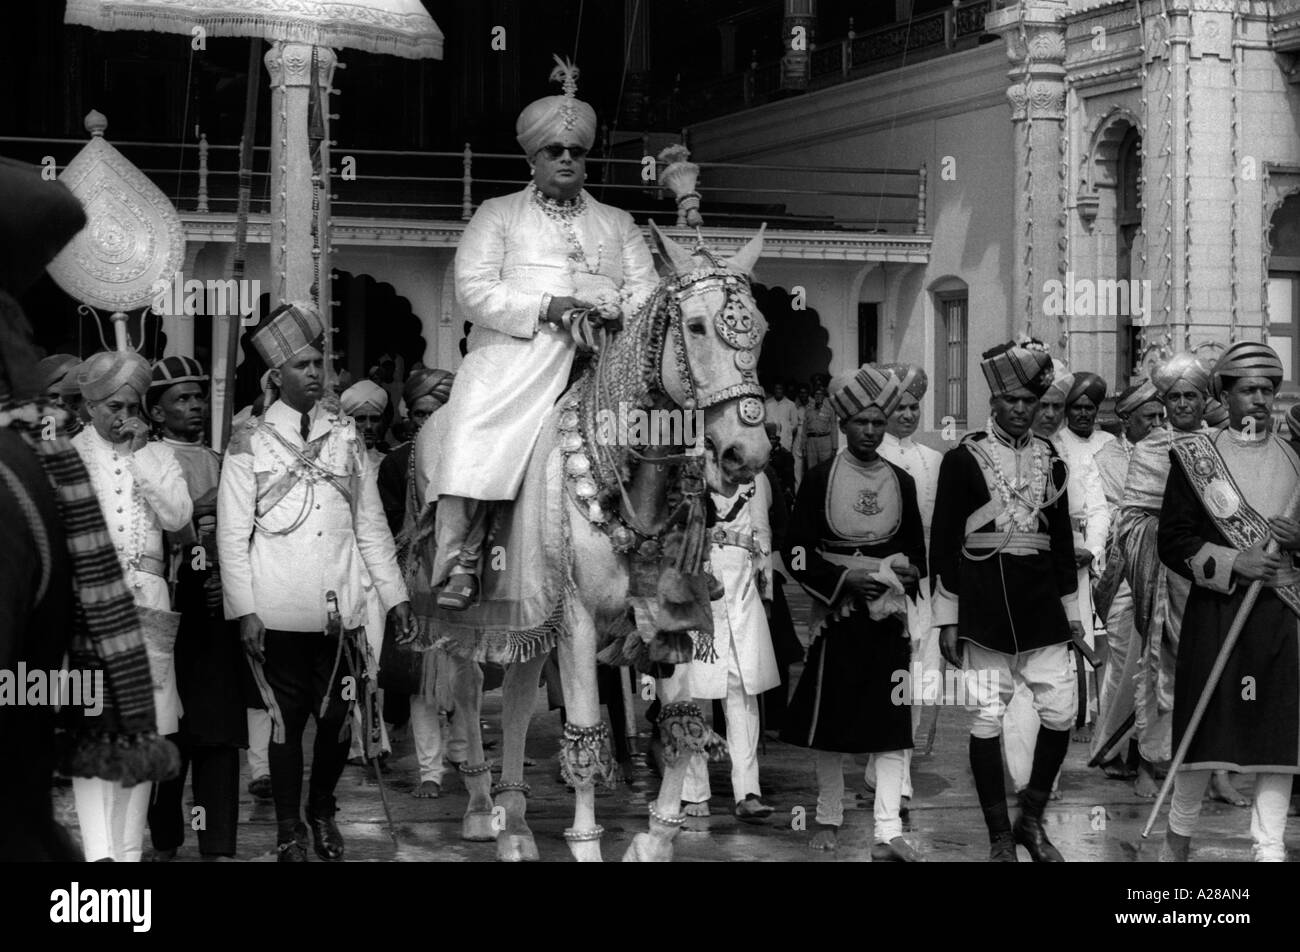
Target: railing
[(383, 183), (857, 54)]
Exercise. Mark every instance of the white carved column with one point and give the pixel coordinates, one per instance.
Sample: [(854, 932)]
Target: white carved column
[(1034, 32), (292, 264)]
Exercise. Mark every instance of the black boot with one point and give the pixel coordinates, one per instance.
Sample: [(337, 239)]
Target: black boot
[(1002, 845), (292, 842), (986, 765), (328, 839), (1029, 831)]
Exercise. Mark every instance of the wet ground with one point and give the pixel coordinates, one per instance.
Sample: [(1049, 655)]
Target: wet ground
[(1095, 820)]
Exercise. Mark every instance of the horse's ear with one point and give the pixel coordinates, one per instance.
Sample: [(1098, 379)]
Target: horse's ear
[(745, 259), (682, 260)]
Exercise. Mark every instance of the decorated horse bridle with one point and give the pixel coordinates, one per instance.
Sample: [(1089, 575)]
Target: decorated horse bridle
[(735, 324)]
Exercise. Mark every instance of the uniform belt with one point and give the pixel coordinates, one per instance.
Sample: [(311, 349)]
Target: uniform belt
[(1010, 543), (149, 564), (842, 548), (730, 537)]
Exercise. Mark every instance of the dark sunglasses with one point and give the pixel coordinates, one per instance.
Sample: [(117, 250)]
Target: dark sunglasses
[(555, 150)]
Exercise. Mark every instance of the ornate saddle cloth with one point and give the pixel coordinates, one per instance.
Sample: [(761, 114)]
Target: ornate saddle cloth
[(521, 604)]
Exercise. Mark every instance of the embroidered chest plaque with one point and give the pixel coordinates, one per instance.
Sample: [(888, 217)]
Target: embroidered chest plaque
[(867, 503)]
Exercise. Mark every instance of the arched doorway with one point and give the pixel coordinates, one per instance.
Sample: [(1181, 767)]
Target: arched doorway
[(796, 346)]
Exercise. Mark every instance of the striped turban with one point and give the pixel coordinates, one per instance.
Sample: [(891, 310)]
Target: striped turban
[(1132, 397), (911, 378), (1086, 385), (1009, 367), (291, 329), (1061, 384), (365, 395), (1216, 414), (54, 369), (427, 382), (107, 372), (176, 369), (1182, 366), (867, 386), (1247, 359), (70, 385)]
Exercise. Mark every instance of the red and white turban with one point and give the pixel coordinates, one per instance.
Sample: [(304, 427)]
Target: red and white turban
[(292, 330), (1009, 367)]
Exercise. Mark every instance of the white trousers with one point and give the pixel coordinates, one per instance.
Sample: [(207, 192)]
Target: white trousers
[(436, 737), (1267, 814), (112, 818), (889, 769), (1119, 681), (742, 744), (259, 738), (925, 650)]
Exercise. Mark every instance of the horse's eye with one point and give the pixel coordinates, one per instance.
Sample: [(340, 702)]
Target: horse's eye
[(696, 326)]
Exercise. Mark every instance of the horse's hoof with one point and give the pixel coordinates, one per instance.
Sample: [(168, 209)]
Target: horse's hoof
[(586, 851), (648, 849), (517, 848), (477, 827)]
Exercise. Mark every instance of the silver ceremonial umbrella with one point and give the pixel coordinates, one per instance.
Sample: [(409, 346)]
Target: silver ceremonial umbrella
[(304, 34)]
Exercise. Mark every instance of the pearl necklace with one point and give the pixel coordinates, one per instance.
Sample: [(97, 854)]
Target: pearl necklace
[(1036, 484), (565, 214)]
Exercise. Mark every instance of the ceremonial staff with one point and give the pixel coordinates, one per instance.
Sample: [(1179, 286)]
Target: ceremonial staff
[(1221, 662)]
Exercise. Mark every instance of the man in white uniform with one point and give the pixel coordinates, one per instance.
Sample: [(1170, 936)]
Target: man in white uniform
[(142, 492), (535, 272), (782, 411), (299, 516)]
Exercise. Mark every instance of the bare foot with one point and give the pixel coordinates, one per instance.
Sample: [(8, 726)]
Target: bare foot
[(1222, 790), (1083, 735), (696, 809), (427, 790), (824, 839), (1145, 786)]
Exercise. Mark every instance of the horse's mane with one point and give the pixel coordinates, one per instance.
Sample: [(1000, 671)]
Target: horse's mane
[(624, 374)]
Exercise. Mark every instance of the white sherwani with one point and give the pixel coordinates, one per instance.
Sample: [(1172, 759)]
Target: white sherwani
[(142, 494), (284, 578), (510, 255)]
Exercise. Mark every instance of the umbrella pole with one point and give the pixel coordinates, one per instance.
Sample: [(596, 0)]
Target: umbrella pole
[(235, 323)]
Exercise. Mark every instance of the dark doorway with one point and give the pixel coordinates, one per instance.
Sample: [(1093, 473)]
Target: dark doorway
[(868, 333)]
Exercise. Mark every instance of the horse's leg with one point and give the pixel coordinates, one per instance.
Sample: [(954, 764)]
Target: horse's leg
[(515, 842), (467, 692), (683, 732), (585, 753)]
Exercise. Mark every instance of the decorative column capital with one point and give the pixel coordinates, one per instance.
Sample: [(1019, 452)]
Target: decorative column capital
[(290, 63), (1034, 33)]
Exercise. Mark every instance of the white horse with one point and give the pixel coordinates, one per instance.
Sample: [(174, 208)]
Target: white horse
[(693, 347)]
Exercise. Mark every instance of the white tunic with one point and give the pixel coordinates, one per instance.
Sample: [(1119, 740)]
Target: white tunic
[(739, 621), (511, 254), (142, 494), (922, 464), (1087, 499), (284, 578), (786, 413)]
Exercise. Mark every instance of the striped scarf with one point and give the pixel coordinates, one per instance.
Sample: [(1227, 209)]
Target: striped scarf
[(121, 743)]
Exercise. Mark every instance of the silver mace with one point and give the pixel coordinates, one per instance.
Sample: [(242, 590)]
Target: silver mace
[(1221, 662)]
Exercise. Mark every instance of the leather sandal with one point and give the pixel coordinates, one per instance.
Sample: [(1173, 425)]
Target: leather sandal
[(460, 592)]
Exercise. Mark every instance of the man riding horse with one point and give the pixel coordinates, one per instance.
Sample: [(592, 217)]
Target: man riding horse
[(537, 272)]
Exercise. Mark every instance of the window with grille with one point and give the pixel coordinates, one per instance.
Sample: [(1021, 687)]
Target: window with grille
[(950, 357)]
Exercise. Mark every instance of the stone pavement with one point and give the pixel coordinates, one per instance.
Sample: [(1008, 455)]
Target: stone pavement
[(1096, 819)]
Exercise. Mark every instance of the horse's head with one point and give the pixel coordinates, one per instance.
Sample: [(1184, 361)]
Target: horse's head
[(710, 357)]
